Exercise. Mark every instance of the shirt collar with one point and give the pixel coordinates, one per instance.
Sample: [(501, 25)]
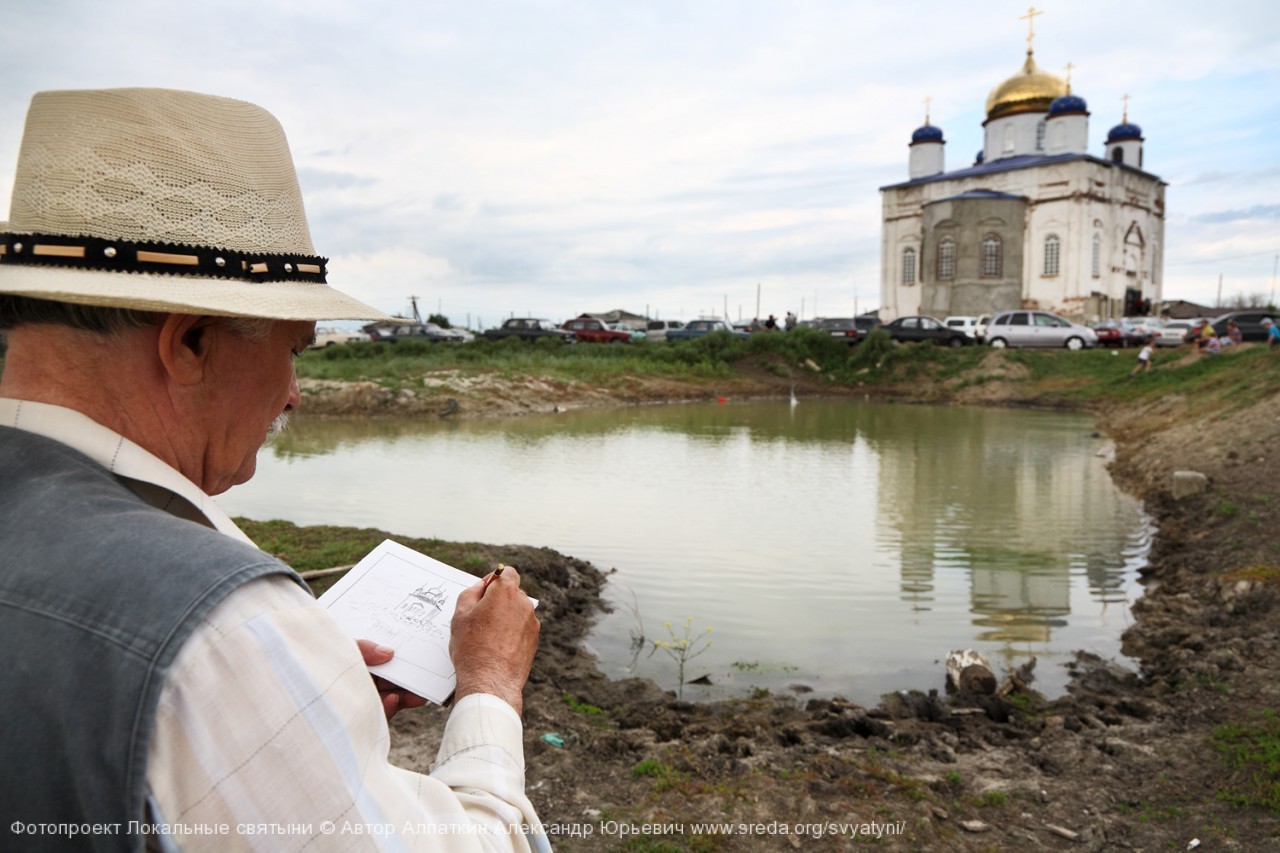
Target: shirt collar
[(116, 453)]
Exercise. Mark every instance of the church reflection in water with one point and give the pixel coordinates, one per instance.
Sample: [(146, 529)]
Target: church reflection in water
[(995, 524)]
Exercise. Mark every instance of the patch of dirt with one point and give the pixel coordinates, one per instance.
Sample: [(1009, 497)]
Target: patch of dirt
[(1126, 760)]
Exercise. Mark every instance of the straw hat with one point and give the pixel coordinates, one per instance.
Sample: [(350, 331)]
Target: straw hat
[(160, 200)]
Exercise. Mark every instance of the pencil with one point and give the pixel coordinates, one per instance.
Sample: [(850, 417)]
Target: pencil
[(492, 577)]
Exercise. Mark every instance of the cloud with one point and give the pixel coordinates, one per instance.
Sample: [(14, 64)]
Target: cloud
[(1258, 211)]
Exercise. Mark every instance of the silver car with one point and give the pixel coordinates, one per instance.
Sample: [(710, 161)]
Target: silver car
[(1038, 329)]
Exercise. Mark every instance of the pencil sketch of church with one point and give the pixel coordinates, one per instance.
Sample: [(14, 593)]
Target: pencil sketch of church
[(421, 607)]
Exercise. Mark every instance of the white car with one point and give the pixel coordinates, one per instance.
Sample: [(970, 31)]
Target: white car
[(327, 336), (1025, 328), (968, 325), (1173, 333), (657, 329), (1145, 325)]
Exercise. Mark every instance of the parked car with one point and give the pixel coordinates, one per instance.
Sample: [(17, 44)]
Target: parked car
[(593, 330), (698, 328), (327, 336), (1038, 329), (429, 332), (1119, 333), (917, 329), (636, 334), (851, 329), (657, 329), (961, 323), (1173, 333), (1250, 323), (1146, 326), (980, 328), (530, 329)]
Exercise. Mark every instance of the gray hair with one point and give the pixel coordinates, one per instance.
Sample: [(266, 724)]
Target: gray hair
[(21, 310)]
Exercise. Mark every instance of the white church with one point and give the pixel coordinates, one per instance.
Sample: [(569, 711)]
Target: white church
[(1035, 222)]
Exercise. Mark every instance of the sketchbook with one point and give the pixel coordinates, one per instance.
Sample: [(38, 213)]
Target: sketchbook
[(402, 599)]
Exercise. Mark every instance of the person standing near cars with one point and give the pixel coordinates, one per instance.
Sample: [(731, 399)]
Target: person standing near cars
[(1273, 333)]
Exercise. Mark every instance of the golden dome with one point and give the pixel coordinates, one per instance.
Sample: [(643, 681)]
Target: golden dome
[(1029, 91)]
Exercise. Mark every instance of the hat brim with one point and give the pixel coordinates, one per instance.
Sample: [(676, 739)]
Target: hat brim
[(178, 294)]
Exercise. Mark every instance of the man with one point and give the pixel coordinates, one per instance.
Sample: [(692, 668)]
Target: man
[(1273, 333), (164, 677)]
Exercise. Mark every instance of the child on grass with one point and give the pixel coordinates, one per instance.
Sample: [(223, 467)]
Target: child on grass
[(1144, 358)]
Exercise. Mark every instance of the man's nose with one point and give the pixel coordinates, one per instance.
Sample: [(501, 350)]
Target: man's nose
[(295, 394)]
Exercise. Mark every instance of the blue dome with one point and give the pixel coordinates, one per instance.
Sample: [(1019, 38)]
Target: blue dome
[(928, 133), (1124, 131), (1068, 104)]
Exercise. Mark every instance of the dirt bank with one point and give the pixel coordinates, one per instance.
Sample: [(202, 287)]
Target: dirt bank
[(1125, 761)]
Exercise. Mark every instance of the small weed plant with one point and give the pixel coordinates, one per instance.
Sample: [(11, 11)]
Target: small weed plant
[(683, 647)]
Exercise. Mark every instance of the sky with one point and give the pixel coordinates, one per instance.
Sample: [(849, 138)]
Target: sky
[(553, 157)]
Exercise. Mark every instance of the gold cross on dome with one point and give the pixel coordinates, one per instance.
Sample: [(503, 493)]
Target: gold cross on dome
[(1031, 24), (927, 99), (1069, 67), (1125, 120)]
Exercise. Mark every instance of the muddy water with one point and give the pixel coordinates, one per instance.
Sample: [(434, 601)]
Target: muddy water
[(839, 546)]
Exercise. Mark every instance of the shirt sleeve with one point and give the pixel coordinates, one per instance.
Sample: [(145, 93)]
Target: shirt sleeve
[(269, 730)]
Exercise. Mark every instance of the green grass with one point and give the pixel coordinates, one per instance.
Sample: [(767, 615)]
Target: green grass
[(580, 707), (1251, 753)]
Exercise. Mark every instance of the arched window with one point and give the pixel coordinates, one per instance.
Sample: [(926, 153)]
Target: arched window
[(1097, 256), (1117, 155), (1008, 139), (1040, 129), (947, 258), (1052, 254), (991, 256), (908, 266)]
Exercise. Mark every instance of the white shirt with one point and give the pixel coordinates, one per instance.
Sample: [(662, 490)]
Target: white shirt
[(269, 734)]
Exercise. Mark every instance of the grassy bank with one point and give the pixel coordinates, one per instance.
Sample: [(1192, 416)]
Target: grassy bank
[(1087, 379)]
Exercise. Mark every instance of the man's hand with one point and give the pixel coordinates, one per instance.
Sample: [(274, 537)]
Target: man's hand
[(494, 638), (393, 698)]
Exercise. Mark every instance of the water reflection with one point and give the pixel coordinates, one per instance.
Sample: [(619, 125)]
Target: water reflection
[(843, 546)]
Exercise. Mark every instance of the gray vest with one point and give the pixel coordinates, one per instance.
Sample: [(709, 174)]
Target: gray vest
[(98, 592)]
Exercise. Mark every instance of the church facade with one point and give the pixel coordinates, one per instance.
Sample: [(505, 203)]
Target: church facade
[(1035, 222)]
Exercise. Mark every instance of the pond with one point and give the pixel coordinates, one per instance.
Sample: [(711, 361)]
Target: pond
[(835, 546)]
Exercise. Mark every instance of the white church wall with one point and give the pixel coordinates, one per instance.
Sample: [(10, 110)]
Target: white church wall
[(926, 159), (1013, 135), (1077, 199), (1067, 134)]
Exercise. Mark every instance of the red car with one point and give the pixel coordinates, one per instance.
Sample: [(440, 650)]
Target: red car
[(1117, 333), (592, 330)]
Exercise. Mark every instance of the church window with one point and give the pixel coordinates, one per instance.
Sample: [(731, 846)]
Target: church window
[(991, 256), (1040, 129), (908, 266), (1097, 256), (947, 258), (1052, 254), (1117, 155), (1008, 139)]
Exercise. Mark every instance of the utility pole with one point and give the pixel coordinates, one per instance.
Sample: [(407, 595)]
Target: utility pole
[(757, 300), (1274, 268), (1219, 305)]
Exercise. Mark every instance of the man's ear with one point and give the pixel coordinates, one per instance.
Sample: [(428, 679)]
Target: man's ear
[(183, 345)]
